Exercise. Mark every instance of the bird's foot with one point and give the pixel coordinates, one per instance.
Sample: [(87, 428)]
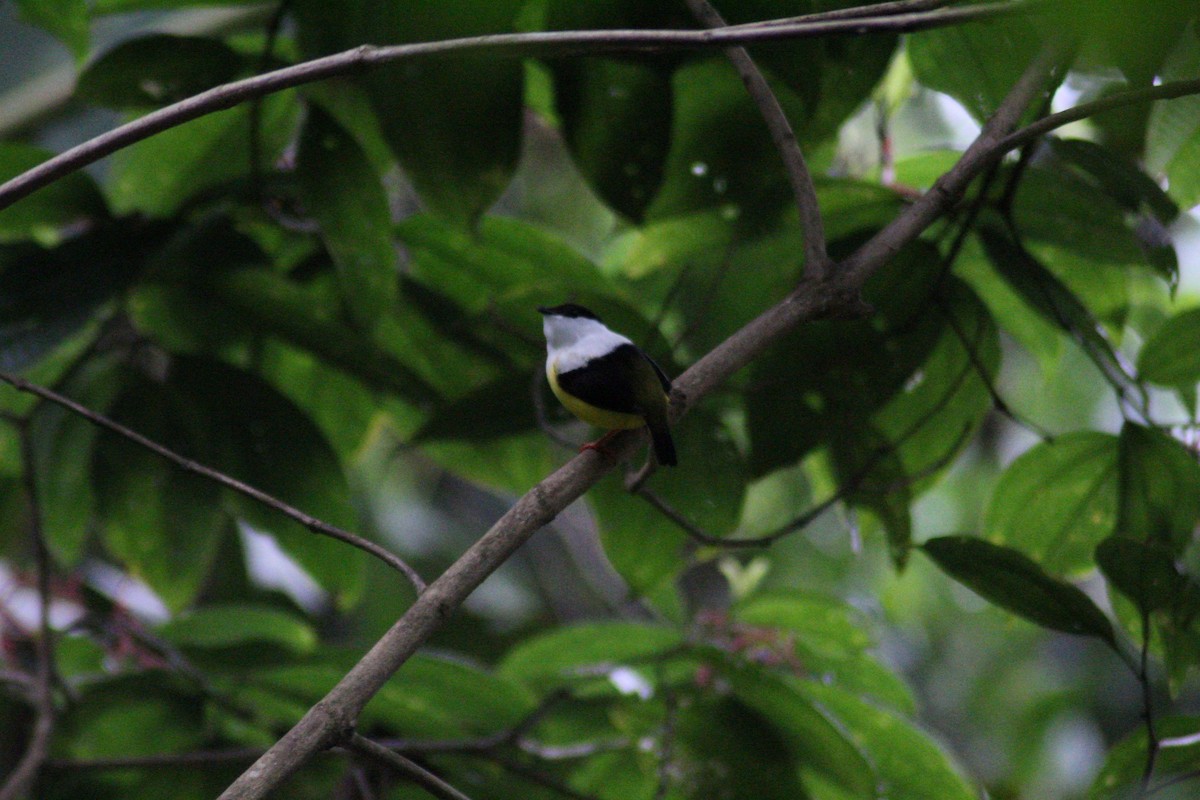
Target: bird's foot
[(599, 444)]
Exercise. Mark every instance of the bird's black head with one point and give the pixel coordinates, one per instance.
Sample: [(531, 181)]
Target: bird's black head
[(569, 310)]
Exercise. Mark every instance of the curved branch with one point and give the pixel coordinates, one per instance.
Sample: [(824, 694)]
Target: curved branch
[(510, 45), (307, 520), (815, 256), (1165, 91)]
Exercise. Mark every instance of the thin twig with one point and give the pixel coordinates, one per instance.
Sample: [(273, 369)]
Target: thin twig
[(406, 767), (188, 465), (816, 258), (871, 10), (38, 748), (1165, 91), (987, 148), (1147, 703), (510, 45)]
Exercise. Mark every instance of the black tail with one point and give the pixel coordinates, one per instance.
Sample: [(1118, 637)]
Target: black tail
[(664, 445)]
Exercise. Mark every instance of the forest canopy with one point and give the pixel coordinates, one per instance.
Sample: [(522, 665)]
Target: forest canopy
[(288, 508)]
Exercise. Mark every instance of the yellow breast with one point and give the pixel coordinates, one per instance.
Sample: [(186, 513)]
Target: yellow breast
[(601, 418)]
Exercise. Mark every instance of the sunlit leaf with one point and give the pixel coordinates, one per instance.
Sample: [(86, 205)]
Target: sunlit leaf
[(1058, 501), (234, 625), (909, 764), (568, 651), (1171, 357)]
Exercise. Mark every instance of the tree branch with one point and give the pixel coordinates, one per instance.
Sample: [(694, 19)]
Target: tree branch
[(324, 723), (816, 259), (307, 520), (1166, 91), (508, 45), (946, 190), (406, 767)]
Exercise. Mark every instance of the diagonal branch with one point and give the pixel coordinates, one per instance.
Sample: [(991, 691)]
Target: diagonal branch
[(816, 259), (325, 723), (307, 520), (946, 191)]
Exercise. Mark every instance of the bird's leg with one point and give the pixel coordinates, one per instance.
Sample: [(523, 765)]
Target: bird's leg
[(598, 445)]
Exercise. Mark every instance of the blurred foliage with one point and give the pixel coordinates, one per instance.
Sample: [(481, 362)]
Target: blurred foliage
[(330, 294)]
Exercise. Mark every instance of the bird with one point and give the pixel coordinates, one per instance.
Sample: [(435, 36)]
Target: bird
[(605, 379)]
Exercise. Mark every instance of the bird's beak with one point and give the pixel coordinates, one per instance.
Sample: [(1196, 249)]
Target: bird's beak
[(543, 309)]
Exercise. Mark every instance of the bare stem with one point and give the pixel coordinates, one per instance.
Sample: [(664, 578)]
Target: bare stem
[(307, 520), (509, 45), (816, 259)]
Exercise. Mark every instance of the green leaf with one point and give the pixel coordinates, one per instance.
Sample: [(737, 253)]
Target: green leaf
[(234, 625), (988, 58), (1058, 208), (47, 294), (721, 153), (830, 639), (1045, 293), (825, 624), (643, 544), (617, 121), (62, 444), (820, 742), (158, 175), (947, 397), (1018, 584), (1171, 357), (271, 444), (503, 255), (163, 524), (908, 763), (157, 70), (66, 20), (727, 749), (341, 190), (445, 698), (1145, 572), (1173, 129), (821, 380), (865, 463), (459, 155), (1124, 766), (1117, 177), (499, 408), (1159, 488), (68, 200), (560, 654), (1058, 501), (131, 715)]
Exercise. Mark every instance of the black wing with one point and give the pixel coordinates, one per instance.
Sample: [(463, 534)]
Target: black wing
[(608, 382)]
